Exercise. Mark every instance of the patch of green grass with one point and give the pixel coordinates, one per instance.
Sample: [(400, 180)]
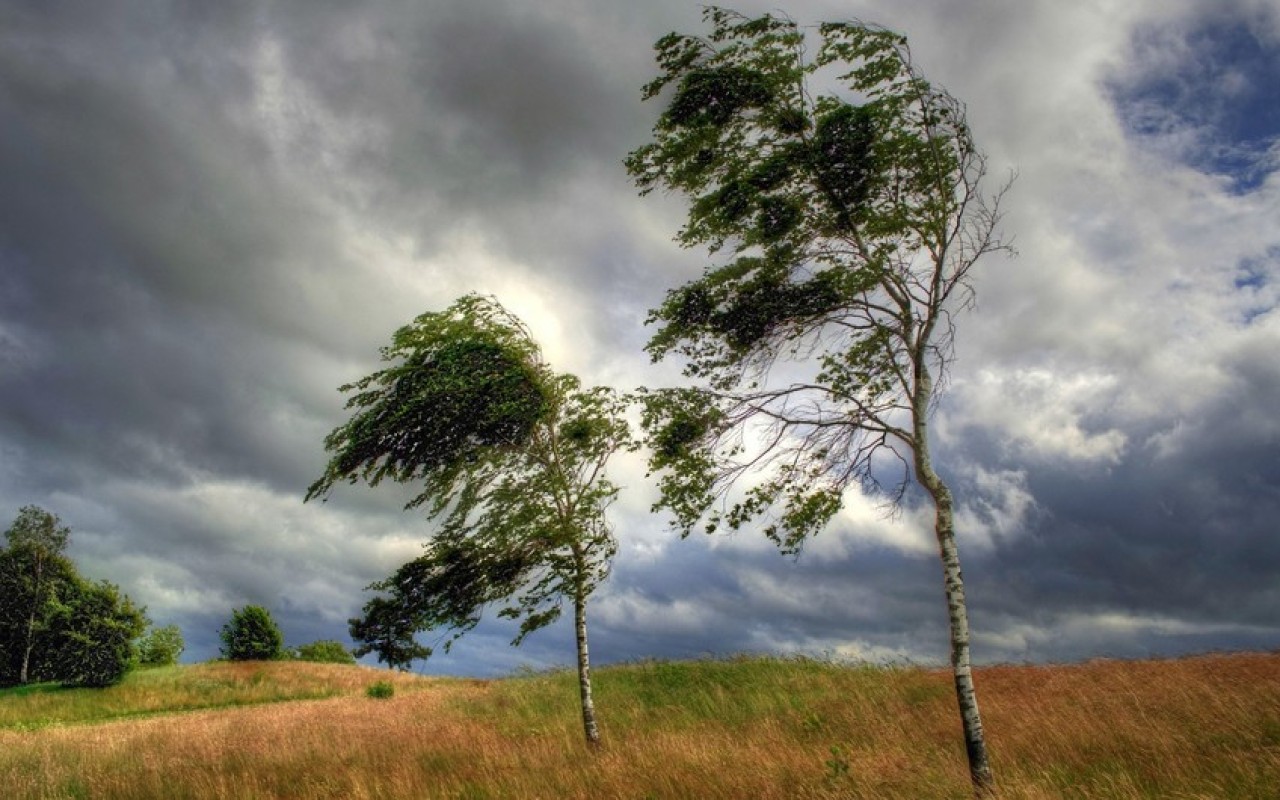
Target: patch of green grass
[(381, 690), (165, 690)]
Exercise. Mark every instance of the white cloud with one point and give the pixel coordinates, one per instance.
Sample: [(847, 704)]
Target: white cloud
[(1040, 414)]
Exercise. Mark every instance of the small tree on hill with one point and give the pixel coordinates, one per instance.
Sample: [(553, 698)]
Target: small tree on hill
[(251, 635), (512, 457), (853, 216), (161, 647)]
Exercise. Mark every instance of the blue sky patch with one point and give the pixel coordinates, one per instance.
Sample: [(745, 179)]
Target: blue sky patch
[(1207, 93)]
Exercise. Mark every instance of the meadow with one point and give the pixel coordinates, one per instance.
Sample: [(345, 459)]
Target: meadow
[(1203, 727)]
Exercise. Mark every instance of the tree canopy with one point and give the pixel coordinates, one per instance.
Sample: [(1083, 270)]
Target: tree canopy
[(852, 220), (846, 190), (462, 389)]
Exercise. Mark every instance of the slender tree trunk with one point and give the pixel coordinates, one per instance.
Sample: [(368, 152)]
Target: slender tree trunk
[(26, 651), (953, 582), (24, 673), (589, 726)]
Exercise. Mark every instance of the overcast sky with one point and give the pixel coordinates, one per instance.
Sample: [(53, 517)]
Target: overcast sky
[(214, 214)]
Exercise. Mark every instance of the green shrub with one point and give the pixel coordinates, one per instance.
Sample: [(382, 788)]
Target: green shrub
[(380, 690), (325, 651)]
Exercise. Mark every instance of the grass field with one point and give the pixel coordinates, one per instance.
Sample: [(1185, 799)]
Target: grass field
[(1205, 727)]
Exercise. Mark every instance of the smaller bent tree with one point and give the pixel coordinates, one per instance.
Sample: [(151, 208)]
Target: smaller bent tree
[(853, 218), (512, 459)]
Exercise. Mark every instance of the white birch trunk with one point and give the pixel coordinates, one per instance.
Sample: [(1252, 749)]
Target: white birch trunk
[(24, 674), (589, 727), (953, 582), (26, 653)]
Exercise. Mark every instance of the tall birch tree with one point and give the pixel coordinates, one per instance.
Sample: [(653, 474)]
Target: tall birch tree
[(512, 459), (846, 190)]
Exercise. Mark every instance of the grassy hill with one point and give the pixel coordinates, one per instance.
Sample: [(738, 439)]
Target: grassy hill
[(1205, 727)]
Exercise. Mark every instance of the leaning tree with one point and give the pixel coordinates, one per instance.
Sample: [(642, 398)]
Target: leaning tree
[(846, 190), (511, 457)]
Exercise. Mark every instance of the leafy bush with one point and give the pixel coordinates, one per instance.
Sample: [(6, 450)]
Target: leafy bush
[(325, 651), (161, 647), (96, 626), (380, 690), (251, 635)]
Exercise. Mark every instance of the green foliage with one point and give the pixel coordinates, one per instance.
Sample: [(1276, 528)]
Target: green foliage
[(511, 457), (325, 651), (161, 647), (251, 635), (387, 628), (96, 628), (464, 386), (54, 624), (38, 530), (380, 690), (844, 187)]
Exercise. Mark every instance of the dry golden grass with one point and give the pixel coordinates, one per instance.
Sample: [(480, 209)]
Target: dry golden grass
[(1206, 727)]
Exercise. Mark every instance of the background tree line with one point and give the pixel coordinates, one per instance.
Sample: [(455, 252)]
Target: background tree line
[(57, 626)]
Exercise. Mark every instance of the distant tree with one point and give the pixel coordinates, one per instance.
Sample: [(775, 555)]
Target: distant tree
[(325, 651), (251, 635), (512, 457), (853, 218), (161, 647), (32, 571)]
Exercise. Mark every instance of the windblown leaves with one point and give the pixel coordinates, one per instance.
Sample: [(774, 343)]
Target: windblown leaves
[(463, 382), (843, 186)]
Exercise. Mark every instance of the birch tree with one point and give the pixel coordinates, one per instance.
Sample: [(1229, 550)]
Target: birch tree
[(512, 458), (846, 191), (33, 570)]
